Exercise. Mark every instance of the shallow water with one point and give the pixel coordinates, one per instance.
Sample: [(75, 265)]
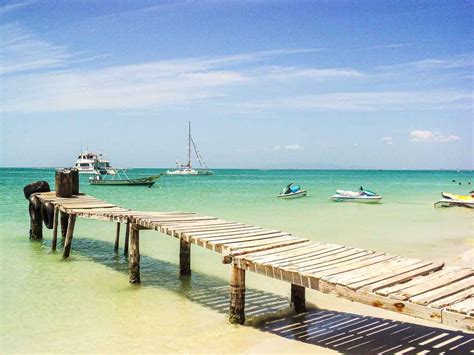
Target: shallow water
[(86, 304)]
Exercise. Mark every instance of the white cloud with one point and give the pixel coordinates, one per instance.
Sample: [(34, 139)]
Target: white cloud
[(12, 7), (43, 77), (387, 140), (431, 64), (21, 50), (370, 101), (429, 136), (291, 73), (287, 148)]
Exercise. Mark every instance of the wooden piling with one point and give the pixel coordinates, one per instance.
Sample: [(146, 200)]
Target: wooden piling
[(69, 234), (54, 241), (237, 295), (75, 181), (117, 238), (127, 236), (134, 257), (64, 217), (36, 222), (298, 298), (184, 257), (63, 182), (36, 230)]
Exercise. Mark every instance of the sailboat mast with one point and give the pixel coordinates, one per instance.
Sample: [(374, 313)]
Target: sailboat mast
[(189, 144)]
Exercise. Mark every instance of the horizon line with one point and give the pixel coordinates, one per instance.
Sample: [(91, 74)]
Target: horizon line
[(303, 169)]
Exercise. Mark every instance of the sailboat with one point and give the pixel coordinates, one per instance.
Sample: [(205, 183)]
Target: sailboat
[(187, 169)]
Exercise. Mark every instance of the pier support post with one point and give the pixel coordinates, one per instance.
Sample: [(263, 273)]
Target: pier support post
[(298, 298), (54, 241), (36, 222), (34, 207), (64, 223), (134, 257), (69, 235), (36, 230), (117, 238), (184, 257), (127, 236), (237, 295)]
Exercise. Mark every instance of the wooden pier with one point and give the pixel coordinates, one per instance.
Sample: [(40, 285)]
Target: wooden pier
[(422, 289)]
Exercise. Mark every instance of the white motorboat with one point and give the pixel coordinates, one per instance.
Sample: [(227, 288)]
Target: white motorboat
[(93, 163), (292, 191), (187, 169), (363, 196)]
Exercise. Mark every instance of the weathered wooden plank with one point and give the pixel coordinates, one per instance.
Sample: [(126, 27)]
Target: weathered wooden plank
[(277, 252), (191, 223), (358, 263), (248, 241), (457, 297), (431, 282), (331, 258), (393, 272), (85, 206), (364, 275), (157, 220), (149, 214), (341, 265), (309, 253), (457, 320), (404, 277), (210, 227), (396, 288), (375, 300), (176, 229), (272, 238), (73, 200), (222, 234), (241, 237), (466, 306), (265, 247), (447, 290)]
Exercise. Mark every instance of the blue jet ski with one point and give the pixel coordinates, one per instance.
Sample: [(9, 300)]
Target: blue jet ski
[(292, 191)]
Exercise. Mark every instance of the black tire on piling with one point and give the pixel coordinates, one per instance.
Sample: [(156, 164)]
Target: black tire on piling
[(38, 186), (47, 214), (34, 208)]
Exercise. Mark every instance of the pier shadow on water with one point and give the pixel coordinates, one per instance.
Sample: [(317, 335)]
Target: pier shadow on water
[(343, 332)]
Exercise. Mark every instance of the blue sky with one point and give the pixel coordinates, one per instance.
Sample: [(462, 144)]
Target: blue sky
[(266, 84)]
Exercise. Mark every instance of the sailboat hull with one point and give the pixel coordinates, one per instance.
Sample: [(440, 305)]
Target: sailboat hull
[(130, 182), (189, 172)]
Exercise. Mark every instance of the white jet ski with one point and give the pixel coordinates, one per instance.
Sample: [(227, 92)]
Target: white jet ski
[(292, 191), (452, 200), (362, 196)]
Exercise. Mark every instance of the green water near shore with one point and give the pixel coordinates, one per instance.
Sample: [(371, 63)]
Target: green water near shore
[(85, 304)]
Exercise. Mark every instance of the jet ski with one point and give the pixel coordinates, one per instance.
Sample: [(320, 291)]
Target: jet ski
[(453, 200), (292, 191), (362, 196)]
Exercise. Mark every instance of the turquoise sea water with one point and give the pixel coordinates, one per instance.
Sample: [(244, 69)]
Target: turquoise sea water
[(86, 302)]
